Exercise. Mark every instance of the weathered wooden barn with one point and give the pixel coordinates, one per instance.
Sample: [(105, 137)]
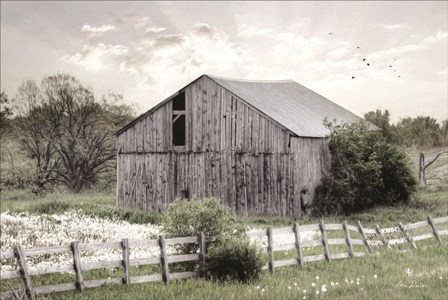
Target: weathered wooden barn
[(256, 145)]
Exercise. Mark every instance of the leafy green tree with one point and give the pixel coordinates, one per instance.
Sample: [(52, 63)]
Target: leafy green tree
[(382, 120), (366, 171), (444, 130), (420, 131)]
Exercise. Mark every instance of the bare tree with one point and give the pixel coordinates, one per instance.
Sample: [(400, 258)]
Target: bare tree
[(67, 131), (422, 167), (35, 134)]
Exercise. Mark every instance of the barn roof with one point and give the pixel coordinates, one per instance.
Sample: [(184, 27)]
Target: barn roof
[(294, 106), (287, 102)]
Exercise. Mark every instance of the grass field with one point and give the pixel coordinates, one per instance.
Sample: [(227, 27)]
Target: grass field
[(417, 274)]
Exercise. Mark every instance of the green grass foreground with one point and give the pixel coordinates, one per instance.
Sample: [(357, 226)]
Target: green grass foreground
[(415, 274)]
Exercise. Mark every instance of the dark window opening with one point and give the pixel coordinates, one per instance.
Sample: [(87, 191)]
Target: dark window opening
[(178, 130), (179, 102), (185, 194)]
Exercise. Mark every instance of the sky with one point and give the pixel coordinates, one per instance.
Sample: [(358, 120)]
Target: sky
[(147, 51)]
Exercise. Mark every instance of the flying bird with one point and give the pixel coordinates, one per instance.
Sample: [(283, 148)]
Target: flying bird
[(357, 47), (395, 70), (353, 77), (399, 76), (330, 33), (363, 59), (368, 64), (390, 66)]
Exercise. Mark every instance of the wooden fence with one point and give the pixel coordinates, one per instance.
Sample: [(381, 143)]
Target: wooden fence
[(25, 273), (323, 229)]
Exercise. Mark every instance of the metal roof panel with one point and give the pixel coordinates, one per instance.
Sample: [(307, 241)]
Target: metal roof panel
[(289, 103)]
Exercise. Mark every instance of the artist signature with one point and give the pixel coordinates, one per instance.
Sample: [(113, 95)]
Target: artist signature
[(410, 285)]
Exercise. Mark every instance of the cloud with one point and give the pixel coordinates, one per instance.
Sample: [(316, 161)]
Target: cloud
[(206, 30), (439, 36), (338, 53), (391, 26), (154, 29), (97, 57), (91, 31), (245, 30), (409, 48), (443, 72)]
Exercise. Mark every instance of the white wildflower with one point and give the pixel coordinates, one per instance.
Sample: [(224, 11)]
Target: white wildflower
[(313, 284), (409, 271)]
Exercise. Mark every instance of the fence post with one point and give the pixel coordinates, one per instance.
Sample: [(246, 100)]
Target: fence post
[(347, 238), (202, 255), (298, 244), (364, 239), (77, 266), (406, 235), (270, 250), (23, 270), (383, 237), (434, 230), (324, 240), (125, 248), (164, 259)]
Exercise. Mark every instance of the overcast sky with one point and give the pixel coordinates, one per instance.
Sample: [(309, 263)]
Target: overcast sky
[(148, 50)]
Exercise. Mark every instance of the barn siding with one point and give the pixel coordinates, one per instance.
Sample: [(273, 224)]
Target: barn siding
[(232, 152)]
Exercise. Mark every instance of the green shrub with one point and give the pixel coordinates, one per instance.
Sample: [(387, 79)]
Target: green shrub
[(366, 171), (234, 258), (188, 218)]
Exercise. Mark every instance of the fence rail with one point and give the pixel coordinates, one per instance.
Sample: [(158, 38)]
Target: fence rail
[(325, 242), (298, 244)]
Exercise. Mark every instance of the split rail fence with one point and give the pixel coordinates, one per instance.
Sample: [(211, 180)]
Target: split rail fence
[(24, 272)]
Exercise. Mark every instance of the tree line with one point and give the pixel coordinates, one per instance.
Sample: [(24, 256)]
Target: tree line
[(420, 132)]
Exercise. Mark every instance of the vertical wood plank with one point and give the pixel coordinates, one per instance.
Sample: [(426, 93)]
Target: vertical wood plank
[(23, 271), (164, 259), (77, 266), (298, 244), (323, 232), (270, 249), (434, 230), (406, 235), (347, 238), (364, 239), (202, 255), (125, 249), (383, 237)]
